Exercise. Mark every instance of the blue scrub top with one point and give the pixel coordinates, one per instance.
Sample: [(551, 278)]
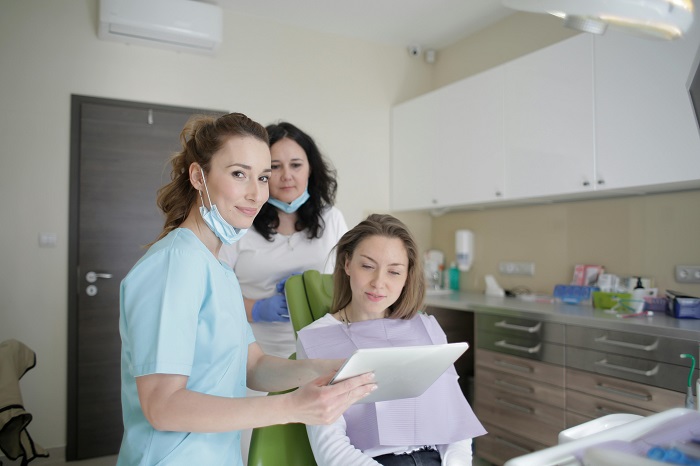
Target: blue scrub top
[(181, 312)]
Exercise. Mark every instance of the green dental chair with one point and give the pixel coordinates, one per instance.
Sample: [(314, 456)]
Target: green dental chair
[(309, 298)]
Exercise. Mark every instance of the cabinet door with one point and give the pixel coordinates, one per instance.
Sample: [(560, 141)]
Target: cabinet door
[(413, 153), (549, 139), (469, 165), (645, 125)]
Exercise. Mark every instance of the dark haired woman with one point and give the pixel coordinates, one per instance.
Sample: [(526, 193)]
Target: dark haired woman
[(295, 231)]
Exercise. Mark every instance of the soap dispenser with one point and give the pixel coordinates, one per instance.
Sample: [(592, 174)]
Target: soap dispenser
[(638, 294)]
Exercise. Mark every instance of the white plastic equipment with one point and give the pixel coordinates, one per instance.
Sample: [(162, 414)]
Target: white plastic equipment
[(183, 25)]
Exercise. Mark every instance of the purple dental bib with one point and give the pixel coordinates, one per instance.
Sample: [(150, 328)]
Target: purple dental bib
[(441, 415)]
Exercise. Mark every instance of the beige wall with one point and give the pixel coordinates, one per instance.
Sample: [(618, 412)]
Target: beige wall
[(645, 235), (642, 235), (339, 90)]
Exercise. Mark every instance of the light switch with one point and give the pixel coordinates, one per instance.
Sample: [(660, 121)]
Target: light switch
[(47, 240)]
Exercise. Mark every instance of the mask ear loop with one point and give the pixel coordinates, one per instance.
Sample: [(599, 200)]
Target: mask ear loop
[(207, 189)]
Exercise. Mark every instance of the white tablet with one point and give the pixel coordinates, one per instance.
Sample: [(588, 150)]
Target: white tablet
[(401, 372)]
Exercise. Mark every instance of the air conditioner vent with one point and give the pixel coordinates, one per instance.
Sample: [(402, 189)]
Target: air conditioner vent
[(183, 25)]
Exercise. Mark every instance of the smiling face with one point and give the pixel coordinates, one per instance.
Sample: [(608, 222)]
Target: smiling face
[(377, 270), (238, 180), (290, 170)]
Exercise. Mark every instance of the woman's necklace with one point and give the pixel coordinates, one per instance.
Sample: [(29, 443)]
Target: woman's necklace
[(344, 317)]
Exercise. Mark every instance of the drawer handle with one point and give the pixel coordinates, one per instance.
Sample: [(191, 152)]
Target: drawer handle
[(511, 365), (517, 407), (624, 344), (513, 444), (619, 391), (523, 349), (514, 386), (605, 411), (649, 373), (519, 328)]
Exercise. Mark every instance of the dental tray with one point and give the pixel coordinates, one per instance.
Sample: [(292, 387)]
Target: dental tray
[(574, 294)]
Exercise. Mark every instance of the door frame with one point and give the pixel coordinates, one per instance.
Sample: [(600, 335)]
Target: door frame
[(77, 102)]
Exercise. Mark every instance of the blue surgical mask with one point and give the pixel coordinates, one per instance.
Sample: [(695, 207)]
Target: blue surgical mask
[(221, 228), (293, 206)]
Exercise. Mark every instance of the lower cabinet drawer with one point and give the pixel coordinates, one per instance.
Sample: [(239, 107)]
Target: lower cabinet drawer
[(524, 417), (499, 445), (646, 397), (521, 387), (595, 407), (527, 368)]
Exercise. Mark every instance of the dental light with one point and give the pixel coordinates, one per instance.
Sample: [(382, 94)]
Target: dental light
[(663, 19)]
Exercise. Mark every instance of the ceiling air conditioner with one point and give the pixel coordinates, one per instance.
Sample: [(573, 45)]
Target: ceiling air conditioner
[(183, 25)]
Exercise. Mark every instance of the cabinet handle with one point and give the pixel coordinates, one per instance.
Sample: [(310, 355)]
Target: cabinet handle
[(605, 411), (513, 444), (601, 181), (621, 392), (514, 386), (523, 349), (519, 328), (510, 365), (624, 344), (586, 183), (517, 407), (649, 373)]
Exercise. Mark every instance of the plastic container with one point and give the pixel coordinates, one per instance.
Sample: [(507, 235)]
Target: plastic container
[(605, 300), (574, 294), (453, 274)]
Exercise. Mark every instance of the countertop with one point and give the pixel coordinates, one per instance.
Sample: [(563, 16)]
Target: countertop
[(585, 315)]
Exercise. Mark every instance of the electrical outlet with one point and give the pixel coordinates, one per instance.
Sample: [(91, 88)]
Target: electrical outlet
[(517, 268), (688, 273)]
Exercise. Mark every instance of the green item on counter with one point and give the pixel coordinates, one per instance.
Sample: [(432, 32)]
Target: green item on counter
[(606, 300), (453, 273)]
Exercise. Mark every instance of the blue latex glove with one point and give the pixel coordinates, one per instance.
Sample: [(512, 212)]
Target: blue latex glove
[(280, 286), (272, 309)]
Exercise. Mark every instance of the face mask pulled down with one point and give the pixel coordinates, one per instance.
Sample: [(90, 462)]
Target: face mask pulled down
[(291, 207), (221, 228)]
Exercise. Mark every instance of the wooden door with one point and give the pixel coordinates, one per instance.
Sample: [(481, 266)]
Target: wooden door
[(119, 158)]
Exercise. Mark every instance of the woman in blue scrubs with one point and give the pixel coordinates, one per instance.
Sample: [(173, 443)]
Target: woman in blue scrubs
[(187, 353)]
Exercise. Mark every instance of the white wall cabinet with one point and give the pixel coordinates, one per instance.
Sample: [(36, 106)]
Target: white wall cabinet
[(646, 133), (548, 131), (413, 153), (588, 116), (469, 166)]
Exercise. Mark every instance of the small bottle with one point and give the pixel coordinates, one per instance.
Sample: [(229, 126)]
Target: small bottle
[(454, 276)]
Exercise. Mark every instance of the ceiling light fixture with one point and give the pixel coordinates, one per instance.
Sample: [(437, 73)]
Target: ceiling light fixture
[(663, 19)]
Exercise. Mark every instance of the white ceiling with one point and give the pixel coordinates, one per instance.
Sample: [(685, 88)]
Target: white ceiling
[(426, 23)]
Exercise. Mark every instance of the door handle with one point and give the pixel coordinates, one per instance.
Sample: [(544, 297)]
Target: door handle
[(92, 277)]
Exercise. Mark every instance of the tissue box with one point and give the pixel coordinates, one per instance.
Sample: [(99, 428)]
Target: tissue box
[(682, 306)]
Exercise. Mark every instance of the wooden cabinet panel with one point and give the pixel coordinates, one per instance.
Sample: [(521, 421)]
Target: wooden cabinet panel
[(520, 386), (525, 368), (595, 407), (520, 414), (499, 445), (647, 397)]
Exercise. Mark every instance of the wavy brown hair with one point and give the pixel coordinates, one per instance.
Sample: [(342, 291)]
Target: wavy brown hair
[(201, 138), (410, 300)]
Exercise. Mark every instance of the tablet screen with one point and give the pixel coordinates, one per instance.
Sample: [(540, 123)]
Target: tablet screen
[(401, 372)]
